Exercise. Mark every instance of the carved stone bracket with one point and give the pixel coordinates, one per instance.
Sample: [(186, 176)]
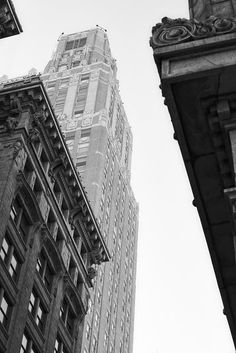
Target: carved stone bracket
[(220, 123), (180, 30), (230, 195), (92, 273), (39, 117), (54, 169), (17, 147), (97, 255), (33, 134), (11, 124)]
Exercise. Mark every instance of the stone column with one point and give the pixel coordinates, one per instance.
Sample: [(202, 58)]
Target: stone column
[(201, 9)]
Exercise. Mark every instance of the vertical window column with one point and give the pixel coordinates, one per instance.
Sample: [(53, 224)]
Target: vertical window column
[(5, 309)]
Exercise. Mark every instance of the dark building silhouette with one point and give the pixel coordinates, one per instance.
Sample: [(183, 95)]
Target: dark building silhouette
[(196, 60), (50, 243), (9, 23)]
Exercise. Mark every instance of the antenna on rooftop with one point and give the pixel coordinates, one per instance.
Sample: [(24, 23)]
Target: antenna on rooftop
[(60, 36), (101, 28)]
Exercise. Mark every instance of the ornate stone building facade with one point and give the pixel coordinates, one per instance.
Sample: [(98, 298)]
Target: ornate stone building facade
[(50, 242), (196, 60), (9, 23), (83, 88)]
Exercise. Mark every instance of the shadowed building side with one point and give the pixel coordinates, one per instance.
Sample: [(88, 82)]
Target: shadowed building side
[(50, 243), (196, 62), (201, 9)]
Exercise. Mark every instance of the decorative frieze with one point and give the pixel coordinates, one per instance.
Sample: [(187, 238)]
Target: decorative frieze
[(181, 30), (221, 122)]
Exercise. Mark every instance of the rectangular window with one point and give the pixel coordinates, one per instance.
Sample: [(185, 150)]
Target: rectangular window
[(45, 271), (19, 217), (24, 344), (51, 84), (76, 63), (82, 42), (5, 311), (5, 249), (64, 82), (10, 258), (67, 316), (37, 310), (27, 345), (59, 346), (69, 45), (84, 78), (85, 132), (80, 164)]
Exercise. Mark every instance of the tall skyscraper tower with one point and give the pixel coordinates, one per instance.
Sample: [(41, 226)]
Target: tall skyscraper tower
[(82, 85)]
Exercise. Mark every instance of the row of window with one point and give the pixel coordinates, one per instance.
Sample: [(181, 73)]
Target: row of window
[(28, 346), (78, 43), (52, 222)]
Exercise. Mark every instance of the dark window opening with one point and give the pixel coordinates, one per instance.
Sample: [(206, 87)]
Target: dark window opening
[(10, 257), (59, 346), (44, 161), (45, 271), (5, 311), (69, 45), (27, 345), (20, 218), (37, 310), (67, 316), (82, 42)]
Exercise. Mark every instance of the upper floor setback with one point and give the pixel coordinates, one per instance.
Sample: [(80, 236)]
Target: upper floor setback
[(45, 168), (81, 49), (9, 23)]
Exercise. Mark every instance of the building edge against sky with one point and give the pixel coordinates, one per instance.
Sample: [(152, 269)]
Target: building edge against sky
[(81, 83), (196, 62)]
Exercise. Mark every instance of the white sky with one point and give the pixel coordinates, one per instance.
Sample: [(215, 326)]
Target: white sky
[(178, 306)]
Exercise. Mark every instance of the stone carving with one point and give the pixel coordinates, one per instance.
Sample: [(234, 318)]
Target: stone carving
[(92, 272), (17, 147), (11, 124), (33, 135), (181, 30), (97, 254), (39, 117)]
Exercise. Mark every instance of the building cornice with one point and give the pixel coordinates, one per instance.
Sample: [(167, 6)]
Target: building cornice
[(46, 122), (9, 23), (181, 30)]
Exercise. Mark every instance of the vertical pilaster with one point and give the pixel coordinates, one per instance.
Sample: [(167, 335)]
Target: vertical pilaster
[(201, 9), (25, 282), (12, 157)]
